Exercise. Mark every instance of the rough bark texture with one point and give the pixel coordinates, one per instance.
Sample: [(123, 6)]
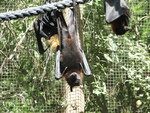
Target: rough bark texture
[(74, 101)]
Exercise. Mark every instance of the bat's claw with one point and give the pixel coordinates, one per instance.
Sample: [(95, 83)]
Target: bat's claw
[(57, 78)]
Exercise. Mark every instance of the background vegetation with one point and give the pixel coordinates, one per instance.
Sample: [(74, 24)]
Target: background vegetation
[(120, 64)]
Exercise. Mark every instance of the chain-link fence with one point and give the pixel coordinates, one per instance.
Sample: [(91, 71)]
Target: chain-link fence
[(121, 79)]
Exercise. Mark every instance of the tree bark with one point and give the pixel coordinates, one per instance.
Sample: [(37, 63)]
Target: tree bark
[(74, 101)]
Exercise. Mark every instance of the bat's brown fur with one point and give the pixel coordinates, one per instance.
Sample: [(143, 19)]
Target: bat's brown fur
[(53, 42)]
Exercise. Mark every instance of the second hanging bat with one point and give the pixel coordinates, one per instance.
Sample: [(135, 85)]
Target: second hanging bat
[(117, 15)]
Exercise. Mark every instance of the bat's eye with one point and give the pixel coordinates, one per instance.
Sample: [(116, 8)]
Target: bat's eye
[(74, 74)]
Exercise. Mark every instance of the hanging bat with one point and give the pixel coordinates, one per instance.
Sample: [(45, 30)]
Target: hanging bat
[(71, 62), (117, 15), (46, 27)]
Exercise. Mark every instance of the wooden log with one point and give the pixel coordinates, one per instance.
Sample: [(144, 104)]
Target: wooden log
[(74, 101)]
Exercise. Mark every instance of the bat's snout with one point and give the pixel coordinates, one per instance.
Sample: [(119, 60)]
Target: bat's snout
[(74, 79)]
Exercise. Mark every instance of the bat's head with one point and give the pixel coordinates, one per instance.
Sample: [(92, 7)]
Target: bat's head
[(75, 79), (120, 25), (122, 30)]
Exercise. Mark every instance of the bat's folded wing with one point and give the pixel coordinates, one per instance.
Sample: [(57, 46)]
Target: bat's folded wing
[(116, 8), (85, 65)]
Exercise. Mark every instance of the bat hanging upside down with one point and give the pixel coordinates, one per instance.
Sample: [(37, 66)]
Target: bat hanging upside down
[(46, 26), (117, 15), (71, 62)]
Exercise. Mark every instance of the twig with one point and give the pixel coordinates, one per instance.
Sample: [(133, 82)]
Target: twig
[(44, 71), (19, 43), (15, 50)]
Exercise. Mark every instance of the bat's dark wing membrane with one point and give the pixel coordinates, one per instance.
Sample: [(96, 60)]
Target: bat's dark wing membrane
[(62, 27), (84, 64), (62, 33), (72, 27), (38, 36), (45, 27)]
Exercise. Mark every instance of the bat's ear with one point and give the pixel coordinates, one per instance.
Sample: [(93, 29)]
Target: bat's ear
[(121, 25)]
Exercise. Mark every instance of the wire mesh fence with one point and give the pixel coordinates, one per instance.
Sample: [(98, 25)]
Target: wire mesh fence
[(128, 67), (27, 82)]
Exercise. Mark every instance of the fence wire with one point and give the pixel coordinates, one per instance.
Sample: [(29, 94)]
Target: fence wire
[(27, 83)]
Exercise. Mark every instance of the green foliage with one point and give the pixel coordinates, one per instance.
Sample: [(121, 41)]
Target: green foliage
[(27, 78), (133, 65), (120, 64)]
